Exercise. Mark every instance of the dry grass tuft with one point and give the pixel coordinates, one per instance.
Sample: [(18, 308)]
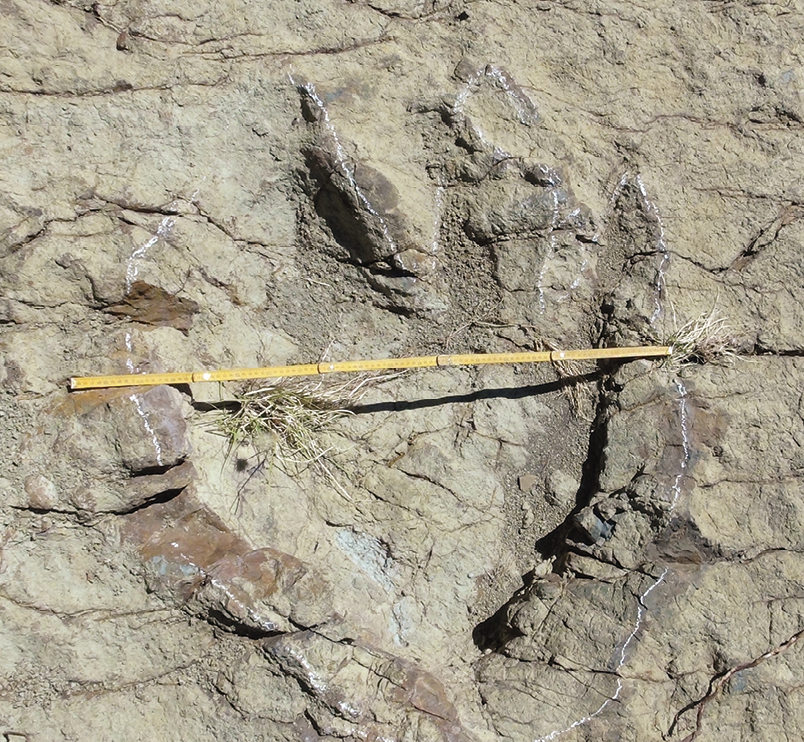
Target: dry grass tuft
[(706, 339), (285, 420)]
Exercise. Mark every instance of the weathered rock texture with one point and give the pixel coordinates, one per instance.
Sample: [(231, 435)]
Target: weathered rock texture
[(505, 553)]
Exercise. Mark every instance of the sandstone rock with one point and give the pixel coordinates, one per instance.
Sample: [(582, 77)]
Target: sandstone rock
[(219, 187), (338, 676), (131, 445)]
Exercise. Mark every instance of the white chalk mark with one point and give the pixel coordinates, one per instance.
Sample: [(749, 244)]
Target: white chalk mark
[(618, 189), (437, 216), (577, 282), (642, 608), (551, 251), (550, 175), (661, 248), (641, 611), (163, 231), (521, 103), (242, 608), (527, 113), (148, 427), (340, 155), (640, 616), (466, 90), (129, 351), (659, 285), (460, 102), (685, 443), (580, 722), (524, 106)]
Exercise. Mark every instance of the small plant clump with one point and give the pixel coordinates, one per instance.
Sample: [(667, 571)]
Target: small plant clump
[(284, 421), (705, 339)]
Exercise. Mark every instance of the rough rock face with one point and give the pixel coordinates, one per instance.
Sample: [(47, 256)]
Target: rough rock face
[(516, 553)]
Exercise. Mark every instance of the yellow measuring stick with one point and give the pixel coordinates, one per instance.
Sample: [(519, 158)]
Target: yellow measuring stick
[(313, 369)]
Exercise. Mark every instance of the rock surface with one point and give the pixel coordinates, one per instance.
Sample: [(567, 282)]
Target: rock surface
[(502, 553)]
